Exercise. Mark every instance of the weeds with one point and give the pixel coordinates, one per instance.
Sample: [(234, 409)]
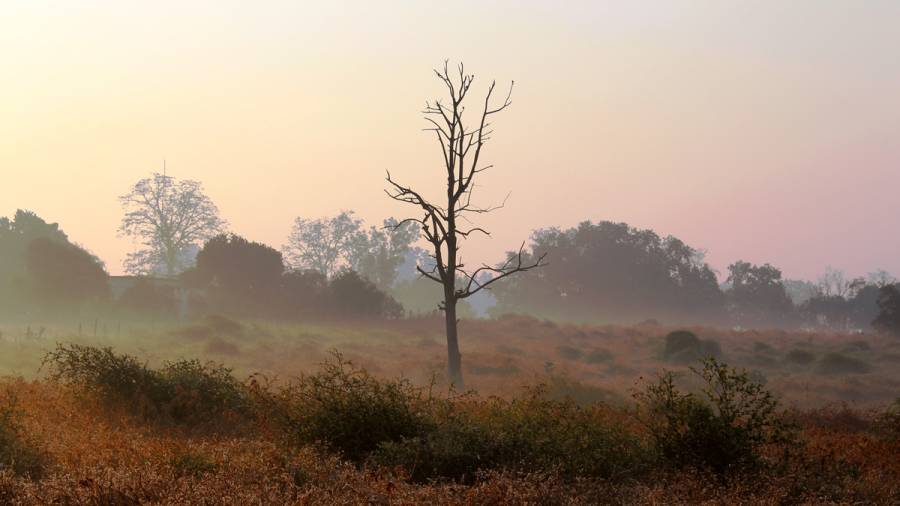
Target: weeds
[(18, 453)]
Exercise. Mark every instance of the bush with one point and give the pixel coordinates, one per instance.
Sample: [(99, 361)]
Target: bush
[(683, 346), (598, 356), (346, 410), (389, 423), (17, 453), (837, 363), (569, 352), (190, 463), (723, 429), (528, 434), (889, 421), (186, 392), (800, 357)]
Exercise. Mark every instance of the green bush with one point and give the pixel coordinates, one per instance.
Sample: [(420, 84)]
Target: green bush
[(528, 434), (186, 392), (599, 356), (18, 453), (723, 428), (347, 410), (838, 363), (569, 352), (683, 346), (888, 422), (800, 357), (190, 463)]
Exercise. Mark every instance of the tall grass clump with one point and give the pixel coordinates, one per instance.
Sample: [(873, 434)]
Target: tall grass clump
[(724, 428), (184, 392), (18, 453)]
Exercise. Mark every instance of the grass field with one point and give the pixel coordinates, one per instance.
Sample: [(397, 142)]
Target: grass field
[(108, 433), (807, 370)]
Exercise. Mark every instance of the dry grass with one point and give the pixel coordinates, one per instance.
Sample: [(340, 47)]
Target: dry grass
[(101, 457), (499, 356)]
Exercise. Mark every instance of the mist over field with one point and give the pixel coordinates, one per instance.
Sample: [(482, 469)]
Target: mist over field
[(283, 255)]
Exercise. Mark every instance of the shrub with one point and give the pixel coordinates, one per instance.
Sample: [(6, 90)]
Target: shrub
[(18, 453), (528, 434), (800, 357), (837, 363), (683, 346), (185, 392), (569, 352), (889, 421), (347, 410), (598, 356), (680, 341), (722, 429), (190, 463)]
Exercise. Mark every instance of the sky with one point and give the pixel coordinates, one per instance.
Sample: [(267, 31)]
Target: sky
[(765, 131)]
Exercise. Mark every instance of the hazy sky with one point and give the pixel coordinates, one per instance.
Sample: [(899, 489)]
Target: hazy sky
[(767, 131)]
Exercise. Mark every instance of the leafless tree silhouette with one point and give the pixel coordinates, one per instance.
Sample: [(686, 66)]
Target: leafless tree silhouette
[(461, 145)]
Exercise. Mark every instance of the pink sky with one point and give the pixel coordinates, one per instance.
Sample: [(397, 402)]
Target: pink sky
[(764, 131)]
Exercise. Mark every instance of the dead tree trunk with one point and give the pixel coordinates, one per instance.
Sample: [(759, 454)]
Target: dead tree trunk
[(461, 145)]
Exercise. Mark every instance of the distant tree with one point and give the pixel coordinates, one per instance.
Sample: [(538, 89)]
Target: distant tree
[(323, 244), (304, 293), (832, 311), (864, 306), (242, 275), (613, 272), (757, 295), (168, 216), (880, 277), (834, 283), (145, 298), (15, 236), (888, 319), (355, 296), (379, 254), (444, 224), (799, 290), (62, 274), (421, 296)]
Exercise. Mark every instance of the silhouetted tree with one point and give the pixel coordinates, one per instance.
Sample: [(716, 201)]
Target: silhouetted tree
[(757, 295), (613, 272), (62, 274), (888, 319), (356, 297), (15, 236), (304, 292), (168, 217), (241, 275), (444, 224)]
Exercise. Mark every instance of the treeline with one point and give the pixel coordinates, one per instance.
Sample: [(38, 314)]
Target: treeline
[(601, 272), (611, 272)]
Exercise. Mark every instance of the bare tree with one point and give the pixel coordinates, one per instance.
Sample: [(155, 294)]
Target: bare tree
[(835, 284), (169, 217), (461, 145)]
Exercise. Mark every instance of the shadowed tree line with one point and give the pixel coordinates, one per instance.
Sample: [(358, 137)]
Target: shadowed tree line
[(605, 272), (611, 272)]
